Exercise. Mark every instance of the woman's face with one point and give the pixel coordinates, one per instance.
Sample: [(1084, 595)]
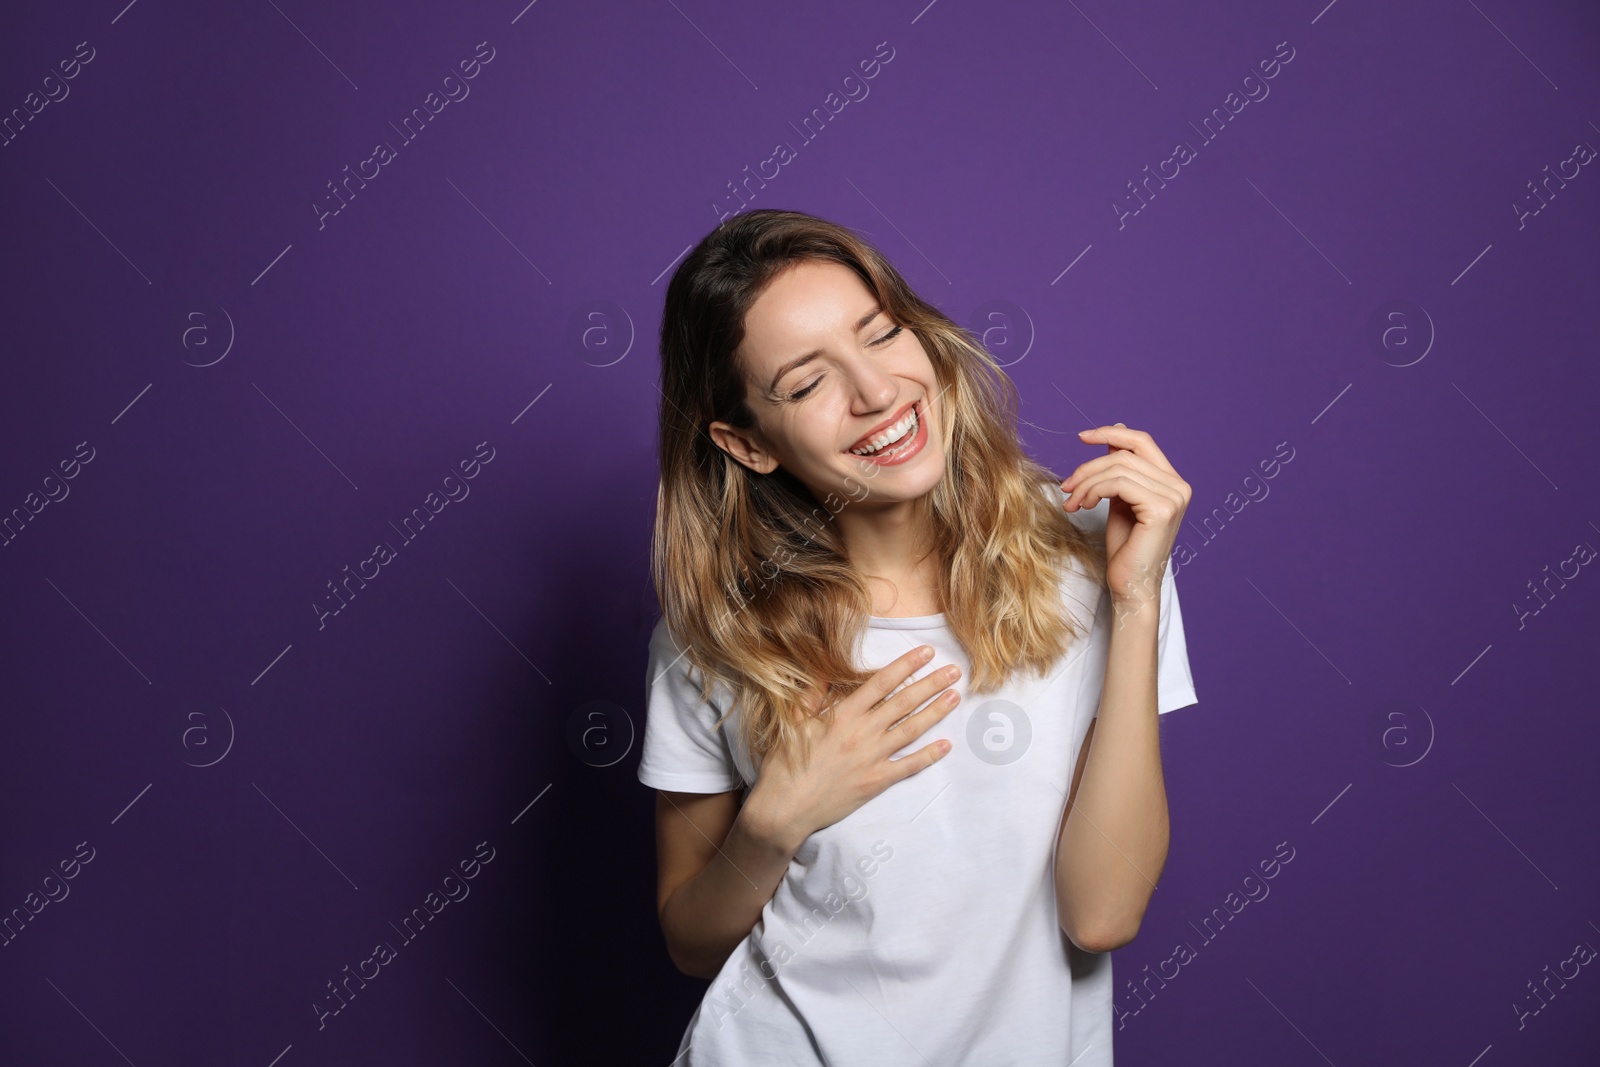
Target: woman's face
[(827, 373)]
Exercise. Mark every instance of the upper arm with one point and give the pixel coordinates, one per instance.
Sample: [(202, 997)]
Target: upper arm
[(1062, 918), (690, 827), (1077, 771)]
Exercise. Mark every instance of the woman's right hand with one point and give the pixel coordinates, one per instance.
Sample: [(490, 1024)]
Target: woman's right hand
[(851, 750)]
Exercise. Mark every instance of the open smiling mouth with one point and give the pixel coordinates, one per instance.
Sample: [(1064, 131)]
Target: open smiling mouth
[(912, 435)]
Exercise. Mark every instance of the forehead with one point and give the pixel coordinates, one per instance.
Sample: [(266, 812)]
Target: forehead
[(802, 308)]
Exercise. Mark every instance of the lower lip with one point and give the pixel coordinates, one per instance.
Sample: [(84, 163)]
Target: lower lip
[(895, 456)]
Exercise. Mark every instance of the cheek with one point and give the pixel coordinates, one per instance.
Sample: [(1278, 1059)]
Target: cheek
[(814, 433)]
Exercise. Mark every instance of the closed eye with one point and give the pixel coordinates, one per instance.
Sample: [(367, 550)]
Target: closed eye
[(885, 339)]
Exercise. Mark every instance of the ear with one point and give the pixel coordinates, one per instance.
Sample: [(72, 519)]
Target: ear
[(744, 446)]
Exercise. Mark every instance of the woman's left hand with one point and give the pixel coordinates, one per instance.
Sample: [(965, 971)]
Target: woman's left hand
[(1148, 500)]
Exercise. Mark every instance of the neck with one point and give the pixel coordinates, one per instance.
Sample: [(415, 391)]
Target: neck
[(895, 556)]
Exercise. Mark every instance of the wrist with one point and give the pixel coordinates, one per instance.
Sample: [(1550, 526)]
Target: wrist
[(767, 823), (1135, 613)]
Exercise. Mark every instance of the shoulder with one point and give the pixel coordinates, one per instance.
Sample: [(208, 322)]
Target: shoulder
[(672, 667), (661, 637)]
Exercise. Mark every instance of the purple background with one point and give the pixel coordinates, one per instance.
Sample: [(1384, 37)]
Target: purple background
[(1370, 692)]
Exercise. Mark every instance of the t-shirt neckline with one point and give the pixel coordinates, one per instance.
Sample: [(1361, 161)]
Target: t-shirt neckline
[(909, 622)]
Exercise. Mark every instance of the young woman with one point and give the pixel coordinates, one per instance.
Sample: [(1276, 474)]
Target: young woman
[(888, 638)]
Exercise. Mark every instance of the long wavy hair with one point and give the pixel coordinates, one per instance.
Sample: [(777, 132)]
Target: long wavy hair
[(753, 577)]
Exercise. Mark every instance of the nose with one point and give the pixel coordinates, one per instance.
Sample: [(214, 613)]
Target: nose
[(875, 388)]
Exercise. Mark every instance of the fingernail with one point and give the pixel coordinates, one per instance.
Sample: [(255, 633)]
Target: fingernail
[(1082, 432)]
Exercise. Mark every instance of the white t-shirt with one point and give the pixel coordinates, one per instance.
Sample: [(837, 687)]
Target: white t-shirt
[(922, 927)]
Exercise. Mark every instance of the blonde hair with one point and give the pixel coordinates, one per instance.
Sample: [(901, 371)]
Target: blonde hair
[(753, 579)]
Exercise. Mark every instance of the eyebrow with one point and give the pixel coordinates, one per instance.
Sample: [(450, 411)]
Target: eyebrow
[(801, 361)]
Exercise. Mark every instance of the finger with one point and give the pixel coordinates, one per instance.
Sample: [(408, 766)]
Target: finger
[(1126, 486), (915, 694), (913, 726), (920, 760), (1135, 441), (886, 680), (1115, 459)]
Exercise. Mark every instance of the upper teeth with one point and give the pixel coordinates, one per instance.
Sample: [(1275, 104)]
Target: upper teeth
[(889, 436)]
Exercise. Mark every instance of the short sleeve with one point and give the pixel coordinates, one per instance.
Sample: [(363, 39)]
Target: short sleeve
[(1174, 683), (681, 751)]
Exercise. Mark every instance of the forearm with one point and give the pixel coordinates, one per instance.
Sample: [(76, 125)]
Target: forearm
[(707, 916), (1114, 841)]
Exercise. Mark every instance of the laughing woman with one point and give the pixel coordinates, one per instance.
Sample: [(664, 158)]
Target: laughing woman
[(888, 828)]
